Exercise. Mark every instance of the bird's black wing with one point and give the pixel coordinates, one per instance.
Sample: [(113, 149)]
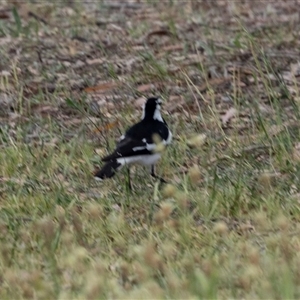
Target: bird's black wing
[(128, 147), (138, 140), (146, 130)]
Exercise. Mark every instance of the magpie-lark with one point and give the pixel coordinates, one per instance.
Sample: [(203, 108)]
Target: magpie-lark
[(139, 143)]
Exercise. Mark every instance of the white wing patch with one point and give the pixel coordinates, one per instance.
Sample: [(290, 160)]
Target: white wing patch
[(138, 148), (149, 147)]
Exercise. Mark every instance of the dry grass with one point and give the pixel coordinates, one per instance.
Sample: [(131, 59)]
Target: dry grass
[(72, 78)]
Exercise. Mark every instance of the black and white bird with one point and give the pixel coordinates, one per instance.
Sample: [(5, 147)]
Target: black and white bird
[(139, 144)]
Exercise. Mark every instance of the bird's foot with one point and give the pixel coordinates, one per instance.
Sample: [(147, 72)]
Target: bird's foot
[(159, 178)]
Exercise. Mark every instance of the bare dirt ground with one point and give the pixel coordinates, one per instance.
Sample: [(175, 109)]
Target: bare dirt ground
[(111, 54)]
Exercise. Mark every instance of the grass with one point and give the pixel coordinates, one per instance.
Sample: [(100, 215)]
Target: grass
[(227, 224)]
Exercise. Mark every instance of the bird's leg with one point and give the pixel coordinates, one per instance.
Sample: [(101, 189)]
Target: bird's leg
[(155, 176), (129, 179)]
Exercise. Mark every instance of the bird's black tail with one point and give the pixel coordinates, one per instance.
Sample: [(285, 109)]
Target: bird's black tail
[(108, 170)]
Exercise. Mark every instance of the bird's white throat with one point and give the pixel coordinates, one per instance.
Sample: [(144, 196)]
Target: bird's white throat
[(156, 116)]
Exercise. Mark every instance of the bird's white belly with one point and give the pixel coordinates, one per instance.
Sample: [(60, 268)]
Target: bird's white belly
[(146, 160)]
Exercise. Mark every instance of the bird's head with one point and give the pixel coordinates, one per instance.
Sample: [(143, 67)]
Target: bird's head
[(152, 109)]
